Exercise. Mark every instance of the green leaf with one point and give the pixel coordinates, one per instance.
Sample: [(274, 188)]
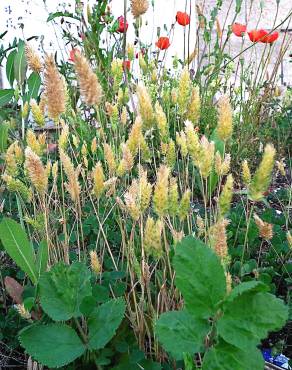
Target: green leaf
[(10, 67), (104, 321), (63, 288), (5, 96), (199, 276), (53, 345), (61, 14), (42, 257), (33, 83), (179, 332), (4, 127), (249, 286), (249, 317), (227, 357), (18, 247), (20, 63)]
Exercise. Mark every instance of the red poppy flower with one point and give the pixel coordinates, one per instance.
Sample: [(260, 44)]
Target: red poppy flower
[(72, 54), (238, 29), (163, 43), (127, 64), (182, 18), (269, 39), (121, 24), (257, 35)]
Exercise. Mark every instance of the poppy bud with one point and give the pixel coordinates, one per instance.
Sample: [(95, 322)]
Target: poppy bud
[(122, 24), (182, 18)]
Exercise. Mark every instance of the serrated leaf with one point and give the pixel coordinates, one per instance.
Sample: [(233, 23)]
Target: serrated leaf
[(18, 247), (20, 63), (63, 288), (227, 357), (53, 345), (199, 276), (180, 333), (5, 96), (249, 286), (249, 317), (10, 67), (33, 83), (104, 321)]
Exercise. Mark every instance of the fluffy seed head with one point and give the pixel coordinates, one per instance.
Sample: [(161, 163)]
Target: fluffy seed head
[(54, 89), (246, 176), (152, 238), (225, 126), (139, 7), (162, 123), (171, 154), (206, 157), (265, 229), (15, 185), (33, 59), (110, 158), (193, 143), (160, 197), (36, 171), (184, 91), (184, 205), (226, 196), (262, 177), (173, 204), (90, 88), (72, 186), (218, 240), (98, 180), (145, 106), (37, 113), (195, 106), (94, 262)]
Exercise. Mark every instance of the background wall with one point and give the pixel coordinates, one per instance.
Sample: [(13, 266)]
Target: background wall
[(32, 14)]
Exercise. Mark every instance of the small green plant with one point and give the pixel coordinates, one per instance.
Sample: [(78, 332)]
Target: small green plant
[(65, 295), (225, 324)]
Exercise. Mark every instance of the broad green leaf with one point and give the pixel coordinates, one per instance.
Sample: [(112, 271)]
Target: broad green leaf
[(249, 317), (104, 321), (33, 83), (4, 127), (18, 247), (179, 332), (199, 276), (249, 286), (10, 67), (52, 345), (42, 257), (20, 63), (5, 96), (63, 288), (227, 357)]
